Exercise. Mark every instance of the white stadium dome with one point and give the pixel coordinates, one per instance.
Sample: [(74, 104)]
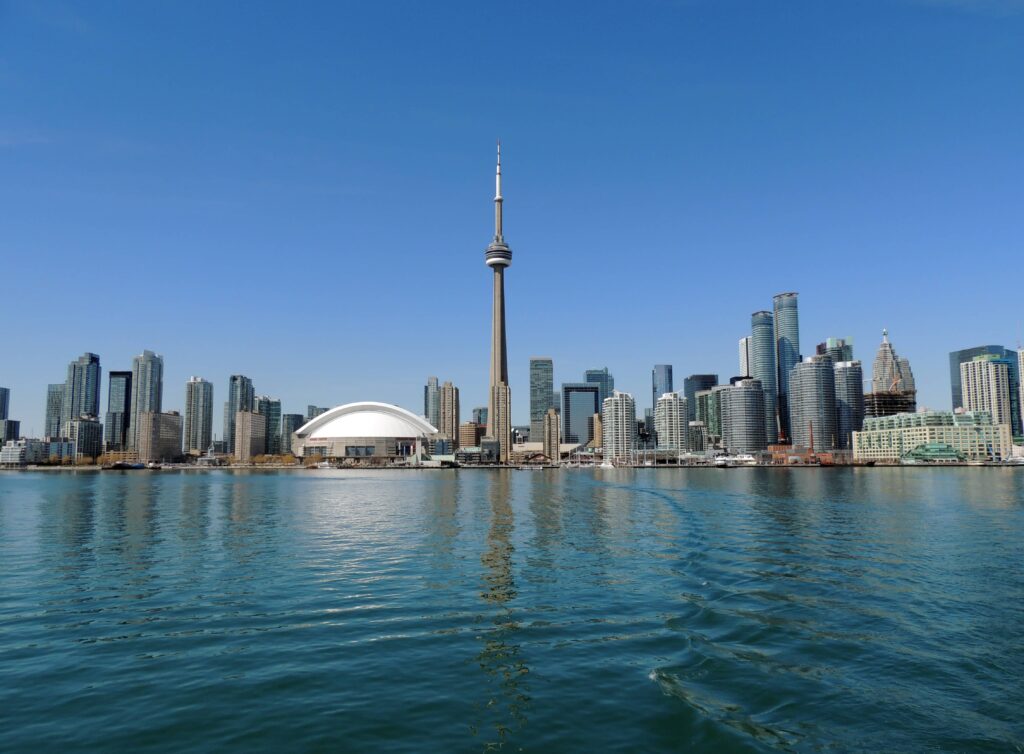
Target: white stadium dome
[(361, 430)]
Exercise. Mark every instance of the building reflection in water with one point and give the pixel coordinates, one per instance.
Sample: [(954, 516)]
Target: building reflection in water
[(73, 524), (504, 710)]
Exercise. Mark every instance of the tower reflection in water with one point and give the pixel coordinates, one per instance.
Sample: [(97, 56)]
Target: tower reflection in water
[(504, 710)]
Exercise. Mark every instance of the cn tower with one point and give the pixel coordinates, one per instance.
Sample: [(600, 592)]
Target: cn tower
[(498, 256)]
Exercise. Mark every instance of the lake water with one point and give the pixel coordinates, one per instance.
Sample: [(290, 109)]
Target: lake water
[(601, 610)]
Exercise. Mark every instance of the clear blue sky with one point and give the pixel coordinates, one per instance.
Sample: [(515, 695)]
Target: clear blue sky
[(301, 192)]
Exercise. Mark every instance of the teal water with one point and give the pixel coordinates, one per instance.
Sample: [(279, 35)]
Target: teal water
[(605, 610)]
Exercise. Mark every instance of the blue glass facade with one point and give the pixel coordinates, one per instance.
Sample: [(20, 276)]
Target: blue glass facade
[(787, 352), (579, 404), (763, 369)]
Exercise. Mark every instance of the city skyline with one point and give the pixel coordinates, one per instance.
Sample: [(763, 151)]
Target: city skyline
[(818, 172)]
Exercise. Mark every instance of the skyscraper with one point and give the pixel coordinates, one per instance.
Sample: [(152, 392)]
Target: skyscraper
[(837, 349), (290, 423), (119, 411), (82, 388), (661, 383), (1020, 396), (431, 402), (542, 384), (552, 435), (198, 416), (691, 385), (849, 380), (269, 407), (313, 411), (892, 383), (5, 402), (579, 404), (498, 256), (449, 410), (787, 352), (709, 413), (87, 434), (479, 415), (250, 435), (670, 422), (744, 354), (763, 369), (985, 381), (618, 426), (147, 391), (887, 371), (54, 407), (241, 397), (956, 358), (158, 436), (604, 381), (813, 404), (742, 411)]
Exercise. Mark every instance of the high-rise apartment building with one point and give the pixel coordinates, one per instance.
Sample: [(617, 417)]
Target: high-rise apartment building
[(250, 435), (813, 404), (313, 412), (742, 412), (87, 434), (579, 404), (837, 349), (498, 256), (449, 412), (618, 426), (670, 423), (159, 436), (470, 434), (119, 411), (744, 354), (693, 384), (10, 429), (787, 352), (241, 397), (54, 407), (542, 385), (1020, 392), (604, 381), (985, 381), (82, 388), (849, 382), (764, 370), (270, 408), (709, 413), (198, 416), (290, 424), (552, 435), (956, 358), (432, 402), (147, 392), (661, 382)]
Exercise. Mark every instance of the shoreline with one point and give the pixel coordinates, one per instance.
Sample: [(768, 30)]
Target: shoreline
[(206, 469)]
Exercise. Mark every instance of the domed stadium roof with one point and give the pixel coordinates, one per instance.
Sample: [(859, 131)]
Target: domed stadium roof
[(365, 419)]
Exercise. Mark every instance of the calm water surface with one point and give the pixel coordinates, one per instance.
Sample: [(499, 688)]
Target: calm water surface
[(606, 610)]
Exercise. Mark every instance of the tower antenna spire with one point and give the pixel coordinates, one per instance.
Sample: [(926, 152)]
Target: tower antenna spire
[(497, 197)]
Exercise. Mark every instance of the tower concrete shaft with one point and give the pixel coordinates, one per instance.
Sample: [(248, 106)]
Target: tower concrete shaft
[(498, 256)]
